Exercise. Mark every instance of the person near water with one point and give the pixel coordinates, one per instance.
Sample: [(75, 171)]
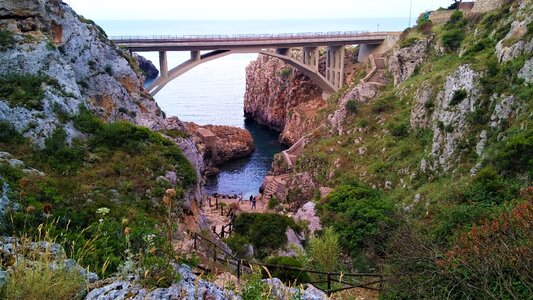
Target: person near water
[(254, 201), (251, 198)]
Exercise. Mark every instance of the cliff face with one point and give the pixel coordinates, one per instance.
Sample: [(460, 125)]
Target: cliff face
[(447, 143), (74, 64), (281, 98), (230, 142)]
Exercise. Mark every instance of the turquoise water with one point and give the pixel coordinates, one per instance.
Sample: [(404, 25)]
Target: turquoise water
[(213, 93)]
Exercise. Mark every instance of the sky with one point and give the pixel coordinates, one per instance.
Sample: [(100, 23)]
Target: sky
[(249, 9)]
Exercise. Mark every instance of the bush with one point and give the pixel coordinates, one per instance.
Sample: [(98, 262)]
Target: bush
[(458, 96), (37, 280), (515, 153), (490, 188), (266, 232), (285, 73), (408, 42), (60, 155), (7, 40), (289, 277), (238, 244), (9, 135), (273, 203), (86, 122), (398, 129), (24, 90), (357, 213), (351, 106), (324, 251), (158, 272), (453, 39), (383, 104)]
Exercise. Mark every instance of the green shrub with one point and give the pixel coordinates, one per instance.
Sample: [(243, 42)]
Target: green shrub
[(24, 90), (266, 232), (109, 70), (351, 106), (324, 252), (7, 40), (357, 213), (158, 272), (254, 288), (458, 96), (408, 42), (8, 133), (515, 153), (289, 277), (285, 73), (383, 104), (453, 39), (238, 244), (399, 129), (86, 122), (489, 187), (37, 280), (273, 202), (60, 155)]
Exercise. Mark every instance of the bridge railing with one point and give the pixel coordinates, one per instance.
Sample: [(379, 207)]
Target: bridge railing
[(241, 37)]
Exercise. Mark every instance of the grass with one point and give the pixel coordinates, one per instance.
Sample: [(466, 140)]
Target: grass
[(116, 168), (7, 40), (25, 90)]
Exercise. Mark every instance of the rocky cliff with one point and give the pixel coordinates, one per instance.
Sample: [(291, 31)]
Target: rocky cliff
[(72, 63), (281, 98), (446, 145), (230, 142)]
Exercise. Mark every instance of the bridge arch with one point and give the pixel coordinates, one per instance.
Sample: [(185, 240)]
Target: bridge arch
[(277, 45)]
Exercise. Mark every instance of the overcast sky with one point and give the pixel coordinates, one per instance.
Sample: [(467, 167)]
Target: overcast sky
[(249, 9)]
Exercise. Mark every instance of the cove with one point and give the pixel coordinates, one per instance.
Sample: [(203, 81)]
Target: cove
[(245, 175)]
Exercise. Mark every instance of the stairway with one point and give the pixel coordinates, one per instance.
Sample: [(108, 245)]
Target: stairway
[(273, 185)]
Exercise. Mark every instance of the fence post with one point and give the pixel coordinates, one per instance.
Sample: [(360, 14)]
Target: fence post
[(194, 241), (209, 202), (221, 210), (216, 203), (214, 254), (222, 232), (380, 283), (239, 269), (328, 291)]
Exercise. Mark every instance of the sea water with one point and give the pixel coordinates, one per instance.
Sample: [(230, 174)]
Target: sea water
[(213, 93)]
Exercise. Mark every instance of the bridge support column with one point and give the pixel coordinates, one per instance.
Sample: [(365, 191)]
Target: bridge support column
[(163, 64), (195, 55), (335, 66), (310, 57)]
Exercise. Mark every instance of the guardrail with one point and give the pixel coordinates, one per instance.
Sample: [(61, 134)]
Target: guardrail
[(343, 281), (220, 37)]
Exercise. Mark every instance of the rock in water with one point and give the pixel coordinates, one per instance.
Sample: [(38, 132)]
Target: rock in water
[(147, 66)]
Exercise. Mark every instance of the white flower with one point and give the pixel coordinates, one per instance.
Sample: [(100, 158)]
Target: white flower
[(101, 220), (102, 211)]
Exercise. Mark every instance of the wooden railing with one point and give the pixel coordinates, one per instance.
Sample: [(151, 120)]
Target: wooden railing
[(328, 282)]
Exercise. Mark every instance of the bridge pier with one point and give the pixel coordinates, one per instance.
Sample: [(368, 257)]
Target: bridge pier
[(163, 64), (335, 66), (310, 57), (195, 55)]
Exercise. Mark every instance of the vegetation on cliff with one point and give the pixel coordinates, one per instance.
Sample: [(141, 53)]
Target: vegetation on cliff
[(432, 176), (117, 168)]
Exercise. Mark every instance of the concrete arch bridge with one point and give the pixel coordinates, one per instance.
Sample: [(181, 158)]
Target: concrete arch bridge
[(275, 45)]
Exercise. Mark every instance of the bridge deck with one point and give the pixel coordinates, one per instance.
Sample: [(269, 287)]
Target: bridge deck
[(251, 41)]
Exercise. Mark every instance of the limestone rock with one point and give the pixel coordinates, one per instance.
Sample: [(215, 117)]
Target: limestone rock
[(280, 291), (526, 72), (362, 92), (231, 142), (449, 121), (420, 113), (276, 95), (308, 213), (86, 68), (147, 66), (190, 287), (403, 61)]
